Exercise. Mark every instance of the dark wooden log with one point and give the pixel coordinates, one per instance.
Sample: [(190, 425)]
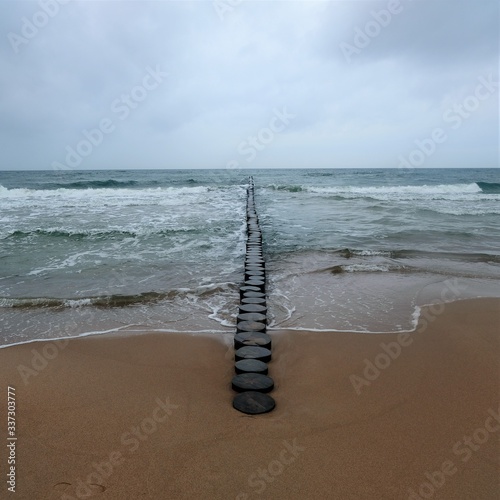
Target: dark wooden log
[(252, 338), (253, 352), (253, 403), (252, 382)]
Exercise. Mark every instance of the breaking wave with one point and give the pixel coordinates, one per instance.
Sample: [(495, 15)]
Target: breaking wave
[(112, 301)]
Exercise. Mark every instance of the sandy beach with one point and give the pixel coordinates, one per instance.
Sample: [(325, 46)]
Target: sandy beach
[(316, 183), (358, 416)]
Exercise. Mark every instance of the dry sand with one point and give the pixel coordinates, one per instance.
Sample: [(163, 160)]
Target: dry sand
[(102, 412)]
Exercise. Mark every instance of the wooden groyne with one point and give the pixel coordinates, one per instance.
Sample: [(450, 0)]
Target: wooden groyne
[(251, 342)]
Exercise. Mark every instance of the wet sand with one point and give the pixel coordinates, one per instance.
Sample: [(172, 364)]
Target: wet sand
[(357, 417)]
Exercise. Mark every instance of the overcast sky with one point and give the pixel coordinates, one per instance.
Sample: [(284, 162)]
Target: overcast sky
[(179, 84)]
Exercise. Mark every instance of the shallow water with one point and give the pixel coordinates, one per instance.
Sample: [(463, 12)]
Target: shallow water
[(346, 249)]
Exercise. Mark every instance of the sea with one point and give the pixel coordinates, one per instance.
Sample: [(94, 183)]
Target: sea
[(130, 251)]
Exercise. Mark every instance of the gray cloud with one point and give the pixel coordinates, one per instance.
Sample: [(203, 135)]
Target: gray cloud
[(225, 78)]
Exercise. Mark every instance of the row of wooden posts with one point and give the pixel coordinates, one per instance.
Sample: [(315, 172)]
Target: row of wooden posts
[(251, 342)]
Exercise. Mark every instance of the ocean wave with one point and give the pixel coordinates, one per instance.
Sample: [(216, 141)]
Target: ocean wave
[(320, 174), (349, 252), (290, 189), (99, 199), (410, 192), (364, 268), (109, 183), (99, 187), (420, 191), (98, 234), (489, 187), (466, 210), (414, 254), (114, 301)]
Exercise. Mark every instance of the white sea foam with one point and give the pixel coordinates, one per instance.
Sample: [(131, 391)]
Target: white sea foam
[(468, 210), (100, 197), (77, 303), (442, 191), (100, 212), (367, 268), (371, 253), (129, 241)]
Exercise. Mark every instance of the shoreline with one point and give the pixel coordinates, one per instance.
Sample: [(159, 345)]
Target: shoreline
[(150, 415), (128, 330)]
